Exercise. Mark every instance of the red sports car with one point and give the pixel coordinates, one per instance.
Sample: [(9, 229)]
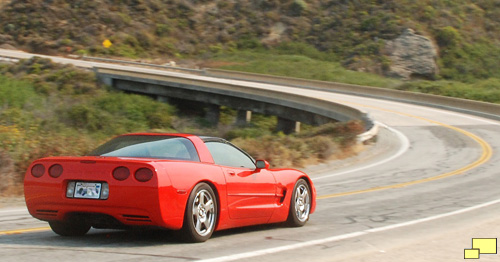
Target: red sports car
[(176, 181)]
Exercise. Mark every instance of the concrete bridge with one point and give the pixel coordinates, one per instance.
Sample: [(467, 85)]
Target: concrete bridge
[(210, 93)]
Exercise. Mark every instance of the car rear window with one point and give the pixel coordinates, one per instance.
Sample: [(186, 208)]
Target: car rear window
[(142, 146)]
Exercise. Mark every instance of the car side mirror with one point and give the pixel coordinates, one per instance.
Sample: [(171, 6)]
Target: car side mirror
[(262, 164)]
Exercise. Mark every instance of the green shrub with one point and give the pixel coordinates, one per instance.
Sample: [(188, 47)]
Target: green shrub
[(485, 90), (162, 30), (16, 93), (448, 37), (299, 66)]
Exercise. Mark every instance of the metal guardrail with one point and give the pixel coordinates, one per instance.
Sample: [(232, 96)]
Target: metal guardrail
[(166, 67), (8, 59), (483, 109)]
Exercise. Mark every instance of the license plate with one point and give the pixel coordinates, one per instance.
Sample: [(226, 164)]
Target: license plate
[(88, 190)]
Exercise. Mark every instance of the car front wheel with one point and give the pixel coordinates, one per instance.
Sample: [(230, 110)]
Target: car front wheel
[(300, 204), (201, 214)]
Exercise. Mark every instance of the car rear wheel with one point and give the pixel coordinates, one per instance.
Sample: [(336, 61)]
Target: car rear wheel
[(300, 204), (201, 214), (69, 228)]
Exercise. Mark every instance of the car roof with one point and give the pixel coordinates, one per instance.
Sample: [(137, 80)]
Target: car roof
[(204, 138), (158, 134), (212, 139)]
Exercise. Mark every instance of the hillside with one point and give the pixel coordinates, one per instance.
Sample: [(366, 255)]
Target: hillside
[(354, 33)]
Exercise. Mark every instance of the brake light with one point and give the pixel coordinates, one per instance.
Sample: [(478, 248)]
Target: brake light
[(121, 173), (143, 174), (38, 170), (55, 171)]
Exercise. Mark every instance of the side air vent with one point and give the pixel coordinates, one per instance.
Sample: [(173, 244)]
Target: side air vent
[(88, 161), (137, 218), (44, 212)]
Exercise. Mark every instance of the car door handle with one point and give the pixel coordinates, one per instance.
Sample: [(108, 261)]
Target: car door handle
[(232, 173)]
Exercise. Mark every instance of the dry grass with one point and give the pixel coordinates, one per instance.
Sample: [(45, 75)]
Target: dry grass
[(318, 145), (11, 182)]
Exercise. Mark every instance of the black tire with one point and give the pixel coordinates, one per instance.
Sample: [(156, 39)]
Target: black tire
[(300, 204), (69, 229), (201, 214)]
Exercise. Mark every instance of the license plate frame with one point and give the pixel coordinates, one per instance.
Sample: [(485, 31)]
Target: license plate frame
[(88, 190)]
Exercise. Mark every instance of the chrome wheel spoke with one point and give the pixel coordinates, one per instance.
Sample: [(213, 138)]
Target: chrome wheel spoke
[(304, 194), (209, 206), (195, 210), (198, 225), (302, 205), (202, 197)]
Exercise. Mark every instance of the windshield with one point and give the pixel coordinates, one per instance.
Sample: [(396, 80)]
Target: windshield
[(162, 147)]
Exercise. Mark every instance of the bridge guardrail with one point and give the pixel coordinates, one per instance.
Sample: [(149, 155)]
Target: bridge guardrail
[(166, 67), (483, 109)]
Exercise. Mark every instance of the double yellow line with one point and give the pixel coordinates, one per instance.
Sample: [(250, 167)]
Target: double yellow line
[(20, 231), (486, 155)]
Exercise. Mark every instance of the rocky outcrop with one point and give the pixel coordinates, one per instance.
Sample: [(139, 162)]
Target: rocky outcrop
[(411, 56), (275, 34)]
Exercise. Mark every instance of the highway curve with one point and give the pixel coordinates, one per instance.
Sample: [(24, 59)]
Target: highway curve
[(428, 186)]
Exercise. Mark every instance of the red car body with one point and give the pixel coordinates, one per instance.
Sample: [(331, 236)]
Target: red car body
[(157, 190)]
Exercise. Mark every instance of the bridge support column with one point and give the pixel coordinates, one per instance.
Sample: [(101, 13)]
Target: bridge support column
[(162, 99), (297, 127), (286, 126), (243, 117), (212, 114), (104, 80)]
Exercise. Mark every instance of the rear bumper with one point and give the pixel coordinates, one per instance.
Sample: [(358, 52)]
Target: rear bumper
[(123, 215), (126, 206)]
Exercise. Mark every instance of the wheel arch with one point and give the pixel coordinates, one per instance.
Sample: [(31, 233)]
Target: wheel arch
[(217, 197)]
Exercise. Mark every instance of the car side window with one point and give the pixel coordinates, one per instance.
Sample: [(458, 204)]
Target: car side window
[(228, 155)]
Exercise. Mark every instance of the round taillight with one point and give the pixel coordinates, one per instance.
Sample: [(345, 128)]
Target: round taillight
[(55, 171), (143, 174), (38, 170), (121, 173)]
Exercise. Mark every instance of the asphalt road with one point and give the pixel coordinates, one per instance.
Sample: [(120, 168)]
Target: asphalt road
[(426, 188)]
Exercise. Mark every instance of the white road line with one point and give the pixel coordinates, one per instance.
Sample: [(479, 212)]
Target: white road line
[(476, 118), (17, 210), (274, 250), (405, 145)]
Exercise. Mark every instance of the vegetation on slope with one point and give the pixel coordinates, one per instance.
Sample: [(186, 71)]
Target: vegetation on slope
[(352, 33), (48, 109), (276, 62)]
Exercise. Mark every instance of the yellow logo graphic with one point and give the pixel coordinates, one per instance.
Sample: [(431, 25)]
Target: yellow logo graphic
[(481, 246)]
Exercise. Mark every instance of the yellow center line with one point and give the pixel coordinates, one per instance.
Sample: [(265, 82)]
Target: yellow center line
[(486, 155), (20, 231)]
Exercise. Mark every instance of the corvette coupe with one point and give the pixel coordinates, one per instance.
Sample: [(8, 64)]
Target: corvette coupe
[(194, 184)]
